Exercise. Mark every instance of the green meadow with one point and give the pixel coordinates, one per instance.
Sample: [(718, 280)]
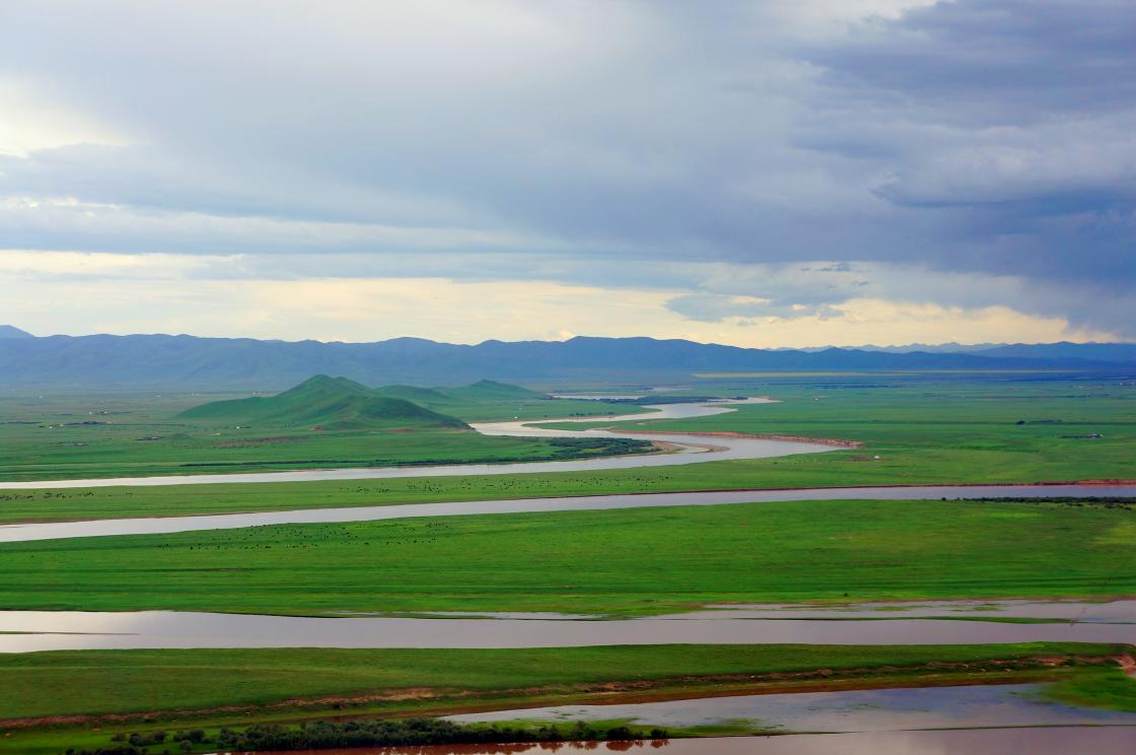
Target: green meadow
[(621, 563), (613, 563), (964, 431), (959, 431), (320, 424)]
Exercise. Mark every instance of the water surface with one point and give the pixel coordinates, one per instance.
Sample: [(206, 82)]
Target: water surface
[(13, 533), (1059, 740), (28, 631), (1105, 612), (963, 707)]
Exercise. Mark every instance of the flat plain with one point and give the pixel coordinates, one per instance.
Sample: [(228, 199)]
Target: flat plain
[(611, 563), (908, 429)]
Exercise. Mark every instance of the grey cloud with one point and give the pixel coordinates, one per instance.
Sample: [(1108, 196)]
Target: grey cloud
[(1009, 122), (622, 138), (713, 308)]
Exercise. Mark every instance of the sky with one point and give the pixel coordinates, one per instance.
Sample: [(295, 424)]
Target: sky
[(771, 174)]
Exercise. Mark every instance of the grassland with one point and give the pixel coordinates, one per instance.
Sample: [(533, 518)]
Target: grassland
[(135, 435), (616, 563), (957, 432), (621, 562), (949, 432), (53, 700)]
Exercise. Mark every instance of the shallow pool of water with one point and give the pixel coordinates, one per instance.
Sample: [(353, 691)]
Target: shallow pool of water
[(1106, 612), (968, 707), (1058, 740)]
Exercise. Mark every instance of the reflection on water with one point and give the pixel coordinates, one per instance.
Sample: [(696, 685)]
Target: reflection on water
[(163, 525), (1110, 612), (852, 711), (27, 631), (1074, 740)]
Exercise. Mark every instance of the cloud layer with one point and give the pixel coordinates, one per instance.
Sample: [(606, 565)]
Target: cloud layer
[(730, 160)]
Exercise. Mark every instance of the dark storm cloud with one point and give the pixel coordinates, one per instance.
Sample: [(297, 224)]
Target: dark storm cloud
[(1010, 121), (994, 62)]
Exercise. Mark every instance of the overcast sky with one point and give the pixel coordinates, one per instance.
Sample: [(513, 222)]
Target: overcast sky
[(773, 173)]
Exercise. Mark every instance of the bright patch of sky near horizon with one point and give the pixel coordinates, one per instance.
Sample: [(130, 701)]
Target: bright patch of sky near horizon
[(761, 174)]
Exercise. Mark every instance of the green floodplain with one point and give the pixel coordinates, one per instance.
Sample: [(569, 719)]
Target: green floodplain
[(924, 430), (612, 563), (52, 701), (911, 429), (324, 422)]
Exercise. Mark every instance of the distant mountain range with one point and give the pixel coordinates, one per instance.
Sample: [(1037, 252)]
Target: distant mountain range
[(189, 362)]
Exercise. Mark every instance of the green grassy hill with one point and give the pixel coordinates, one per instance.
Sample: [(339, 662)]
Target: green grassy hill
[(322, 423), (423, 396), (327, 403), (491, 390)]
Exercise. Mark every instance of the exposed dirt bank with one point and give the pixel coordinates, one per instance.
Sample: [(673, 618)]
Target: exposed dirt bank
[(448, 701)]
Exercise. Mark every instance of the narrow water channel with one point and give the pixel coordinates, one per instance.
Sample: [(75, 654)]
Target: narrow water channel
[(28, 631), (14, 533)]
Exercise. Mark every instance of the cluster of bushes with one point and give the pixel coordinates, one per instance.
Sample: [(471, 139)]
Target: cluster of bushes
[(412, 732), (138, 743), (567, 448), (407, 732)]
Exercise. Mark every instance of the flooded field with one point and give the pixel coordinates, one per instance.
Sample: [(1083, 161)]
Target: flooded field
[(14, 533), (964, 707), (1058, 740), (28, 631)]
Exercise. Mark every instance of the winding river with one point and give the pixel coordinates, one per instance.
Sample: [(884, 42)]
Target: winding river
[(13, 533), (687, 449), (26, 631)]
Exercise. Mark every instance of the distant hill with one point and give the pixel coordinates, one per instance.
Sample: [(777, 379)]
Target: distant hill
[(491, 390), (328, 403), (186, 362), (11, 331), (457, 401)]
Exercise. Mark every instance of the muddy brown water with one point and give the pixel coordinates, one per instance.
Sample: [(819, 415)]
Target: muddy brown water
[(1063, 740), (30, 631), (13, 533)]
